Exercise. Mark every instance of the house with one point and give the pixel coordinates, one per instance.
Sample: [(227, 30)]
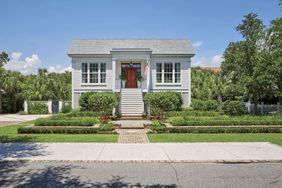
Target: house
[(213, 69), (99, 65)]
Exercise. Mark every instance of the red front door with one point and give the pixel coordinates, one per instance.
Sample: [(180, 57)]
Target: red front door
[(131, 77)]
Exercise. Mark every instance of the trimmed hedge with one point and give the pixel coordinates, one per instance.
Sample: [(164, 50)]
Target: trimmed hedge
[(66, 108), (85, 121), (221, 130), (176, 121), (109, 126), (192, 113), (57, 130), (233, 108), (37, 108)]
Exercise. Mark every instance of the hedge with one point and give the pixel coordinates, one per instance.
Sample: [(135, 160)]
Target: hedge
[(192, 113), (37, 108), (221, 130), (204, 105), (85, 121), (57, 130)]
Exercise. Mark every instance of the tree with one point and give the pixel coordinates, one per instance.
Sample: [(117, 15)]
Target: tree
[(243, 59), (3, 60)]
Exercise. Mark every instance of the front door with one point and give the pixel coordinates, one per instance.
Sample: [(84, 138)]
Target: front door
[(131, 77)]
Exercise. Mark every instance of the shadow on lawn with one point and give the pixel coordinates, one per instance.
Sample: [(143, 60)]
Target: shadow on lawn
[(58, 176)]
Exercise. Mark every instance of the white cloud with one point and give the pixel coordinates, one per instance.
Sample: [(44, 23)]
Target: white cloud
[(28, 66), (59, 69), (217, 60), (200, 63), (197, 44)]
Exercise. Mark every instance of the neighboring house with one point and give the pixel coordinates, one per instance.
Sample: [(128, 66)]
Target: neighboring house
[(214, 69), (164, 64)]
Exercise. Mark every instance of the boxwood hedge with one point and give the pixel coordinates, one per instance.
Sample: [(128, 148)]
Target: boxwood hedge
[(82, 121), (59, 130)]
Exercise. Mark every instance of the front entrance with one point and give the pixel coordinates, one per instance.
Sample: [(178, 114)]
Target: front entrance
[(131, 70), (131, 77)]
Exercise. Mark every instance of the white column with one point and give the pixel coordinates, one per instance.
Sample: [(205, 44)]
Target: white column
[(113, 74), (148, 62), (49, 106), (25, 107), (189, 84), (60, 105)]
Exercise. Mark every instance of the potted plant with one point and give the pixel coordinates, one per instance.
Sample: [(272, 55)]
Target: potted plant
[(123, 78), (139, 80)]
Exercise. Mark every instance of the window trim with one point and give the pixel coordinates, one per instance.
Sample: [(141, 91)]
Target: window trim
[(173, 74), (99, 74)]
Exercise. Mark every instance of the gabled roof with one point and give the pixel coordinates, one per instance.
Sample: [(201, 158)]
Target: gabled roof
[(105, 46)]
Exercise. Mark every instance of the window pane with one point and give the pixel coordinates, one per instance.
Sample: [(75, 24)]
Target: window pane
[(159, 77), (84, 67), (168, 67), (177, 67), (168, 77), (94, 78), (93, 67), (103, 67), (103, 78), (159, 67), (84, 78), (177, 77)]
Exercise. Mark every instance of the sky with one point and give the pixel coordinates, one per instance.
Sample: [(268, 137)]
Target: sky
[(37, 33)]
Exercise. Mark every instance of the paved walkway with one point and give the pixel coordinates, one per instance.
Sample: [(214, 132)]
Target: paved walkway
[(132, 124), (132, 136), (12, 119), (151, 152)]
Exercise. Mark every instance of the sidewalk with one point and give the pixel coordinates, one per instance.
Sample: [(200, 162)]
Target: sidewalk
[(150, 152)]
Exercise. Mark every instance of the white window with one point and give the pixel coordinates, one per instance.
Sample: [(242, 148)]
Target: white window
[(168, 72), (93, 73)]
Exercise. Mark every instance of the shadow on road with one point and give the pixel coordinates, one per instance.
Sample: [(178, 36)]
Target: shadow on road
[(58, 176)]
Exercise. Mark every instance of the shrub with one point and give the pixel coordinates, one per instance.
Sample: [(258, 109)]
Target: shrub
[(192, 113), (22, 113), (158, 126), (233, 108), (78, 113), (204, 105), (176, 121), (102, 103), (37, 108), (57, 130), (109, 126), (223, 130), (83, 121), (66, 108), (163, 101)]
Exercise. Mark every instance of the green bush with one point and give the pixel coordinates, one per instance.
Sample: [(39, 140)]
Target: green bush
[(206, 105), (158, 126), (100, 102), (37, 108), (189, 113), (233, 108), (82, 121), (176, 121), (109, 126), (161, 102), (78, 113), (57, 130), (66, 108), (223, 130)]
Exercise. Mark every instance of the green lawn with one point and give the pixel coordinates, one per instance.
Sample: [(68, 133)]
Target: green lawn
[(274, 138), (9, 134)]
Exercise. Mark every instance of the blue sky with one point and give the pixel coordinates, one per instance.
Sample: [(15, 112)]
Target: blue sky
[(38, 33)]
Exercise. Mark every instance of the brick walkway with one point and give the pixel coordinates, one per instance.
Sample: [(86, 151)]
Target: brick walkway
[(132, 136)]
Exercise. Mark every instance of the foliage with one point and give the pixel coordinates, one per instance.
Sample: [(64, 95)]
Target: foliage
[(163, 101), (218, 130), (204, 105), (78, 113), (176, 121), (233, 108), (57, 130), (109, 126), (37, 108), (158, 126), (139, 77), (102, 103), (74, 121), (188, 113), (123, 76), (66, 108)]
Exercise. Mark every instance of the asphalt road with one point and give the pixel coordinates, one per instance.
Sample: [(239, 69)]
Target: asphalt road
[(45, 174)]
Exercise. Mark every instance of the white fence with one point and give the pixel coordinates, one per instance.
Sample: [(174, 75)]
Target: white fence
[(264, 108), (54, 106)]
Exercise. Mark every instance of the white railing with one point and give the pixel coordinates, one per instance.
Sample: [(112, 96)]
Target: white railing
[(264, 108)]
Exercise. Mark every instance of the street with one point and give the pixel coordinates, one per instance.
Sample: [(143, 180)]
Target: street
[(90, 174)]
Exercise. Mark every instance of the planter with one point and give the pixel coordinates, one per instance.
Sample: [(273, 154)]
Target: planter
[(123, 84), (138, 84)]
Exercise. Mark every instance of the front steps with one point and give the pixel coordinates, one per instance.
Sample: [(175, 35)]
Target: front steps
[(131, 105)]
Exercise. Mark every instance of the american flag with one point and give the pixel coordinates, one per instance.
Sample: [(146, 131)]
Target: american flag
[(146, 69)]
